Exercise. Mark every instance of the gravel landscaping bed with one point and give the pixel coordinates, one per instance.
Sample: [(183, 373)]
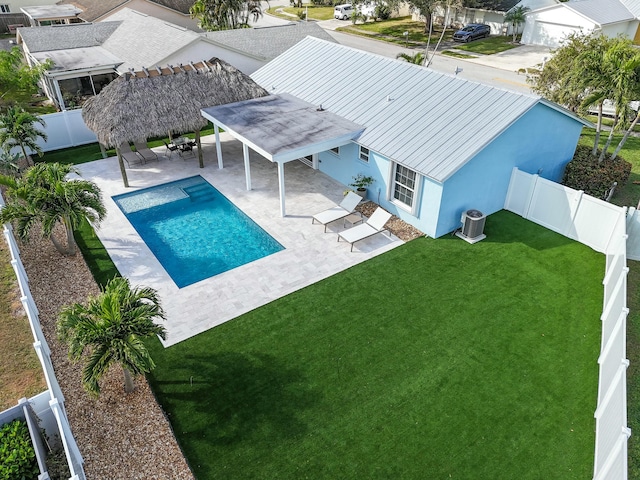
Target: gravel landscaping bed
[(399, 228), (120, 436)]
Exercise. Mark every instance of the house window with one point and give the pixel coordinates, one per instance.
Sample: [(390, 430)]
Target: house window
[(364, 154), (404, 185), (335, 150), (4, 8)]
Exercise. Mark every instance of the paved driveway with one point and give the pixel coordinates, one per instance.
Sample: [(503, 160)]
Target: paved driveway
[(524, 56)]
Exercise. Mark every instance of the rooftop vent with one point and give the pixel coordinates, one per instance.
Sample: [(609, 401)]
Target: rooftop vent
[(472, 226)]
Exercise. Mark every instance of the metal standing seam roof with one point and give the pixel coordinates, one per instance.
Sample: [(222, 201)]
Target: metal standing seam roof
[(633, 6), (431, 122), (602, 12)]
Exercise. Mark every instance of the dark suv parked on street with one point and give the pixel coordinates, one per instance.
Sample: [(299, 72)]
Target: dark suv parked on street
[(473, 31)]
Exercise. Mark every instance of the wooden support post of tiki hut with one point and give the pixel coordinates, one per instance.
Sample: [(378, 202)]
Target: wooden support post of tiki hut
[(122, 169), (122, 110), (199, 145)]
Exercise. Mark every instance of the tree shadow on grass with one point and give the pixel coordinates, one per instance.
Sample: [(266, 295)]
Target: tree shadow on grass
[(508, 227), (228, 397)]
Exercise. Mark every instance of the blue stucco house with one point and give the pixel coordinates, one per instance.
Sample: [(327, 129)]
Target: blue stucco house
[(436, 145)]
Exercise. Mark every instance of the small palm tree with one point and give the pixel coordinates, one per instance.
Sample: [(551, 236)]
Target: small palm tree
[(17, 129), (44, 194), (111, 327), (516, 17), (416, 59)]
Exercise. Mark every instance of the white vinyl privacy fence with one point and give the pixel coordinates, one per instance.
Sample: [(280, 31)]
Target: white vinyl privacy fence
[(63, 129), (601, 226), (54, 394)]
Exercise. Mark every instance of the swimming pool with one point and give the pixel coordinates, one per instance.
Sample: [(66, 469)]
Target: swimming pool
[(194, 231)]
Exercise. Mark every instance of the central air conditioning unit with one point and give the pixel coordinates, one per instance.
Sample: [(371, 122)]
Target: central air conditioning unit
[(472, 226)]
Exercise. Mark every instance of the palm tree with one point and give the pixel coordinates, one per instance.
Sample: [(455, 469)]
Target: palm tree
[(417, 58), (44, 194), (111, 327), (17, 129), (622, 65), (424, 8), (215, 15), (516, 17)]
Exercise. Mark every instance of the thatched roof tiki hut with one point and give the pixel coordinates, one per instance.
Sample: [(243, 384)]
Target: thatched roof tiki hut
[(158, 101)]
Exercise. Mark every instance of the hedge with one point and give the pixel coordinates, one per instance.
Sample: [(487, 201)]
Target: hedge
[(584, 172), (17, 455)]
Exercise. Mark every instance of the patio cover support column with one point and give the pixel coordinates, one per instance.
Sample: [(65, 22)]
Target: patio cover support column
[(281, 187), (218, 147), (247, 167)]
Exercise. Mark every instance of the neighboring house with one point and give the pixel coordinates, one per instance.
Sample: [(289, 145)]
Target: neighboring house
[(88, 56), (436, 145), (248, 49), (493, 15), (172, 11), (44, 15), (11, 16), (550, 25)]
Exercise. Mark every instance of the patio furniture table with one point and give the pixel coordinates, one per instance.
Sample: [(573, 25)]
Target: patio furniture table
[(184, 144)]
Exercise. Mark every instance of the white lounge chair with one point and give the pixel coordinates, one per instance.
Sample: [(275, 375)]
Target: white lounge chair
[(144, 151), (128, 155), (346, 208), (374, 225)]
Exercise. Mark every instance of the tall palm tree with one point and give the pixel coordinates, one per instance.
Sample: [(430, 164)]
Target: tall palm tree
[(215, 15), (417, 58), (516, 17), (622, 65), (17, 129), (111, 328), (44, 194)]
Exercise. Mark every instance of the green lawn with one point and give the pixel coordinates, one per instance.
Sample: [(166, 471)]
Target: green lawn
[(435, 360), (392, 30), (488, 46), (452, 53), (315, 12), (91, 152)]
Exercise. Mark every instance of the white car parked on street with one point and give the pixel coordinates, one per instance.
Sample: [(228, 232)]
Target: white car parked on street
[(343, 12)]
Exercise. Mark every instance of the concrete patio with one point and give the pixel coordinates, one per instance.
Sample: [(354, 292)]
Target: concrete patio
[(309, 255)]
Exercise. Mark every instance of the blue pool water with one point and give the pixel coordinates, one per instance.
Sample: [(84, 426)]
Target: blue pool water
[(193, 230)]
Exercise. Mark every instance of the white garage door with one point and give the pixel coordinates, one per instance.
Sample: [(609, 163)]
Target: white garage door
[(551, 34)]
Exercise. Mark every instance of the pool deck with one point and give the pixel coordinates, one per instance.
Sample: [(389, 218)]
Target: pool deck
[(310, 255)]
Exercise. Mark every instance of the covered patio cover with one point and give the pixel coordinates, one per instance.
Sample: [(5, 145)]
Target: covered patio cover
[(281, 128)]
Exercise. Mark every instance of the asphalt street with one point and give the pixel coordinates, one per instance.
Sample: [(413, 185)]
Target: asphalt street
[(495, 70)]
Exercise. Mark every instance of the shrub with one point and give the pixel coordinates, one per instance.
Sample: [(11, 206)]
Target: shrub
[(584, 172), (382, 12), (301, 14), (17, 456), (57, 465)]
